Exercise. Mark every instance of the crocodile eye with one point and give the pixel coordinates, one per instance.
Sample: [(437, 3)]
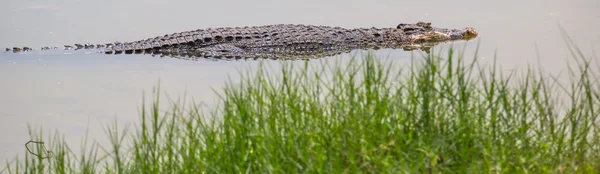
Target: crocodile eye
[(409, 29), (376, 34)]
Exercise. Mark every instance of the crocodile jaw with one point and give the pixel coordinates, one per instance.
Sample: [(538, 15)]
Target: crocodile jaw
[(442, 34)]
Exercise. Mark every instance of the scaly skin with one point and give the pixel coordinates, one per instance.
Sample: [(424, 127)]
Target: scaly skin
[(286, 41)]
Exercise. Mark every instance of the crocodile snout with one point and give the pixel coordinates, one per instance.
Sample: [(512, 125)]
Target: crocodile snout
[(469, 33)]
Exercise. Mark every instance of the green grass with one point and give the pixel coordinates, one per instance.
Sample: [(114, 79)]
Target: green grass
[(438, 114)]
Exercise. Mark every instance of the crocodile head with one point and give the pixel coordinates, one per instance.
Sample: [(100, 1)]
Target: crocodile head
[(423, 32)]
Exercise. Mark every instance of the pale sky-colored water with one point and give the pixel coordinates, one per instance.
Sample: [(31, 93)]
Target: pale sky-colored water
[(69, 92)]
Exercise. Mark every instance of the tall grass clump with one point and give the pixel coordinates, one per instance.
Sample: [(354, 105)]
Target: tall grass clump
[(439, 114)]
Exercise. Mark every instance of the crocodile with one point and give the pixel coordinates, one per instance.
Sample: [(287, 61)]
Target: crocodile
[(284, 41)]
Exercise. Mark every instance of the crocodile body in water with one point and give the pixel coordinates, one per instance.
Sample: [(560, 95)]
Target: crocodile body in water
[(283, 41)]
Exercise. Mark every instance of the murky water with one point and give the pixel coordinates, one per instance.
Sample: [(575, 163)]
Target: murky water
[(73, 92)]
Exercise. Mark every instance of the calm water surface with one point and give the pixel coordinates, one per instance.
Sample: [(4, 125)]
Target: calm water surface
[(73, 92)]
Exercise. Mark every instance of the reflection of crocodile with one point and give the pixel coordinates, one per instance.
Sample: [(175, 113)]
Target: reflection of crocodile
[(285, 41)]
